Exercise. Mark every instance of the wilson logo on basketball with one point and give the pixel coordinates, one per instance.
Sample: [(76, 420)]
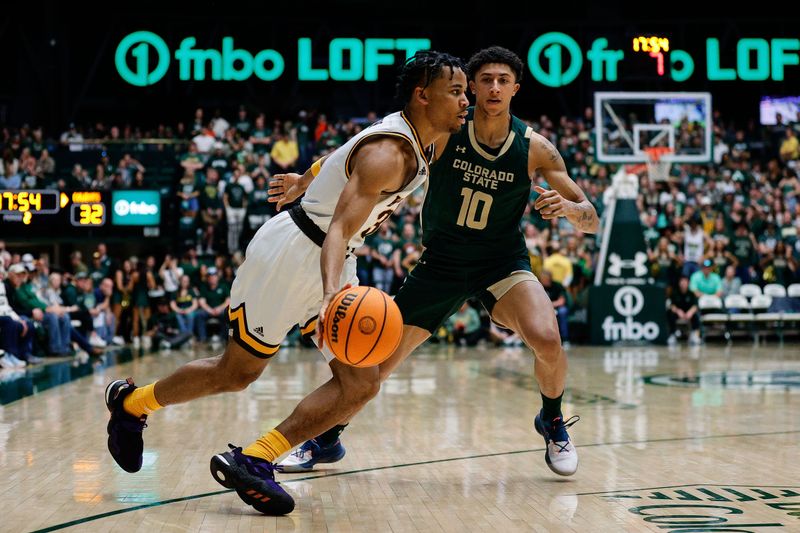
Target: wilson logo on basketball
[(363, 326), (366, 325), (341, 314)]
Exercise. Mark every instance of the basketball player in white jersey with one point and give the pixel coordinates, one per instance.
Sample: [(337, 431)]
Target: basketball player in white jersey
[(279, 285)]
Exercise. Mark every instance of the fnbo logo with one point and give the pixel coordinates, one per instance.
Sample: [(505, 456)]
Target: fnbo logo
[(133, 60), (139, 44)]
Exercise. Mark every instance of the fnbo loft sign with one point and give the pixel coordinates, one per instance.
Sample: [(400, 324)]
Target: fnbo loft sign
[(143, 58), (554, 59)]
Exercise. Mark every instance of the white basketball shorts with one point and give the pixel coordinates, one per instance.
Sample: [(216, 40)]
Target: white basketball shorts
[(278, 286)]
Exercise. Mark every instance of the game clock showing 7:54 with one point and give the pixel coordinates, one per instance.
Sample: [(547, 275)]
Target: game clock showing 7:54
[(63, 215), (87, 208)]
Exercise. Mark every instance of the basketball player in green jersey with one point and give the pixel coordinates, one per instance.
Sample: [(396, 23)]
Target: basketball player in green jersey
[(478, 189)]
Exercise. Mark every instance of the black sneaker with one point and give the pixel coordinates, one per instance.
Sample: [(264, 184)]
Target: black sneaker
[(124, 430), (254, 481)]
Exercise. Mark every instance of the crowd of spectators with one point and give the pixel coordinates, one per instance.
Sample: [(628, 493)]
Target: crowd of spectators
[(81, 309), (740, 214)]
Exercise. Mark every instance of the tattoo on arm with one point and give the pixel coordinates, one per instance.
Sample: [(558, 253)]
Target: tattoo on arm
[(585, 219), (552, 153)]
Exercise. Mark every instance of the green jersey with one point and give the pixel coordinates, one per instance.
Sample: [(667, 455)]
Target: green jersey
[(476, 197), (215, 296)]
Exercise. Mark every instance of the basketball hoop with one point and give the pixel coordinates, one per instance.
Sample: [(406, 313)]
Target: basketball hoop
[(657, 168)]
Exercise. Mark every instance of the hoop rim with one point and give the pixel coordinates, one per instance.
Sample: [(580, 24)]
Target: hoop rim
[(655, 153)]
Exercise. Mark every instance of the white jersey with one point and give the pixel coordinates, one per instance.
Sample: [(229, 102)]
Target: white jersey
[(323, 193), (693, 244)]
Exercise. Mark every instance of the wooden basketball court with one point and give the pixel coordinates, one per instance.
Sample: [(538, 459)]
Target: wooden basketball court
[(682, 440)]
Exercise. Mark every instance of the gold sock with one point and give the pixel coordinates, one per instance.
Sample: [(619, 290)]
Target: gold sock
[(142, 401), (269, 446)]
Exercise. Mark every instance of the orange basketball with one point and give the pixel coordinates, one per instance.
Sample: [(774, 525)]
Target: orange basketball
[(363, 326)]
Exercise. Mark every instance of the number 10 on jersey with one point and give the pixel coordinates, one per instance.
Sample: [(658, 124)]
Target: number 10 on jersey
[(473, 201)]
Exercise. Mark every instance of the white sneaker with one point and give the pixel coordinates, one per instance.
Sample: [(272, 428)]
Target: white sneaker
[(5, 362), (164, 346), (694, 339), (560, 455), (672, 341), (96, 341), (137, 343), (18, 363), (147, 342), (118, 341), (82, 357), (309, 454)]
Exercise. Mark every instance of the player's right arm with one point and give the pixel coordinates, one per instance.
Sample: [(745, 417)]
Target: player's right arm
[(378, 166)]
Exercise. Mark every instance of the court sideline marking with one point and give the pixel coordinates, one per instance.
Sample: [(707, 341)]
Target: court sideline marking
[(405, 465)]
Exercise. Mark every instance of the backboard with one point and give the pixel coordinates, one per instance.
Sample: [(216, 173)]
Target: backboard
[(628, 122)]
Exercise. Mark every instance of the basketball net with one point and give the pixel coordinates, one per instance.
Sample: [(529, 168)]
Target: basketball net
[(657, 168)]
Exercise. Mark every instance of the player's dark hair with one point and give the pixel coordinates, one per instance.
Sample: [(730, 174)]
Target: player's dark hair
[(421, 69), (494, 54)]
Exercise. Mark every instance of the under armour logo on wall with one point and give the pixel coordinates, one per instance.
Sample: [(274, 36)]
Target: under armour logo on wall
[(638, 263)]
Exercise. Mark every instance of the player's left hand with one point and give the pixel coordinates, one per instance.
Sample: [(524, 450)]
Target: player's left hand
[(285, 189), (551, 204)]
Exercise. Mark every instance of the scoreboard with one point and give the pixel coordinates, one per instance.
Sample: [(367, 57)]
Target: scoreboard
[(60, 215)]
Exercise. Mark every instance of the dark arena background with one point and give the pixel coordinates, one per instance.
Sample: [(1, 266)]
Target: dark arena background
[(138, 141)]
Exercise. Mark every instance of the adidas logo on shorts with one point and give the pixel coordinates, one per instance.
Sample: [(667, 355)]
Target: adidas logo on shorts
[(259, 331)]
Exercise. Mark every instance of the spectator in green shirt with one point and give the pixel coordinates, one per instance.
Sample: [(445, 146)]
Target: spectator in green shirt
[(54, 318), (706, 281), (214, 300), (465, 325)]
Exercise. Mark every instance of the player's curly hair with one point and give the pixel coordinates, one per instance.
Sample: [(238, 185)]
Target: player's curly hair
[(421, 69), (494, 54)]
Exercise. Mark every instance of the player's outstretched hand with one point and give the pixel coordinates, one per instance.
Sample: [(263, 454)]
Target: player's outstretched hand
[(285, 189)]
